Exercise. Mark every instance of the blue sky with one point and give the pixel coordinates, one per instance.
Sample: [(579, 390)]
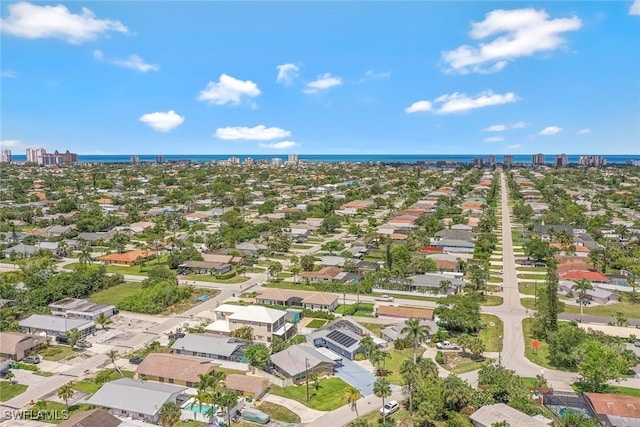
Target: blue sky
[(321, 77)]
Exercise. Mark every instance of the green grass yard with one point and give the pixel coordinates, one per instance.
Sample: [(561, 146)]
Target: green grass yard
[(279, 413), (115, 294), (212, 279), (329, 396), (392, 365), (316, 323), (8, 391), (539, 356), (491, 335), (56, 353)]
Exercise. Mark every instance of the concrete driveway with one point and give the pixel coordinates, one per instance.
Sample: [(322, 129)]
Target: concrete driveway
[(355, 375)]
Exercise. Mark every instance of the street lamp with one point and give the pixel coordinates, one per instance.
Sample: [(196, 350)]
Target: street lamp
[(500, 353)]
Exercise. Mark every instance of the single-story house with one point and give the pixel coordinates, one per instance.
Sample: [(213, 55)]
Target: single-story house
[(246, 385), (173, 368), (454, 245), (92, 418), (405, 312), (15, 346), (56, 325), (449, 233), (613, 410), (139, 400), (215, 347), (21, 250), (310, 300), (223, 258), (394, 332), (298, 360), (592, 276), (203, 267), (325, 274), (340, 341), (81, 309), (435, 283), (489, 415), (128, 258)]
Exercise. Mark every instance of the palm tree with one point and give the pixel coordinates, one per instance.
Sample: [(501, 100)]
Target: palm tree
[(40, 405), (11, 377), (228, 401), (410, 375), (169, 414), (582, 286), (113, 355), (65, 392), (368, 345), (427, 368), (103, 320), (382, 389), (575, 419), (74, 336), (455, 392), (378, 358), (85, 257), (201, 398), (463, 341), (415, 332), (353, 395)]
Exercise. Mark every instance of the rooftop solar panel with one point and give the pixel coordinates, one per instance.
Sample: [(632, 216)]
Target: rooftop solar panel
[(342, 339)]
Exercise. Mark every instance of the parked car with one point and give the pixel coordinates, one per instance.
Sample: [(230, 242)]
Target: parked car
[(386, 298), (446, 345), (62, 339), (583, 301), (176, 335), (34, 359), (84, 344), (637, 343), (136, 360), (390, 407)]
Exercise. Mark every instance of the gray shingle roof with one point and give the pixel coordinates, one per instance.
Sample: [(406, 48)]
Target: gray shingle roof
[(291, 361), (131, 395), (207, 343)]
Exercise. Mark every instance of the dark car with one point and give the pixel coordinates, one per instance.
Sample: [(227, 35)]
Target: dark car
[(176, 336), (136, 360), (62, 339)]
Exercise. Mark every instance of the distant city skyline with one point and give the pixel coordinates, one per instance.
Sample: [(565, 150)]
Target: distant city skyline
[(321, 78)]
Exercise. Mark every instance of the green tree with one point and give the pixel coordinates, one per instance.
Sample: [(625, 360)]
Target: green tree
[(113, 355), (307, 262), (65, 392), (244, 333), (228, 401), (11, 377), (330, 224), (274, 269), (459, 313), (368, 345), (600, 363), (40, 405), (74, 336), (278, 344), (382, 389), (352, 395), (416, 333), (169, 414), (476, 346), (85, 257), (456, 392), (573, 418), (257, 355), (410, 377), (333, 246), (103, 320), (582, 286)]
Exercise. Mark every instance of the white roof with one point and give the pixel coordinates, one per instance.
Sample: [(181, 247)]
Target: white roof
[(219, 326), (228, 308), (257, 313)]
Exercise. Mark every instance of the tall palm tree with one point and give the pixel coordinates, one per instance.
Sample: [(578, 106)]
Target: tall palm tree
[(353, 395), (113, 355), (410, 375), (103, 320), (582, 286), (368, 345), (65, 392), (85, 257), (169, 414), (416, 333), (382, 389), (427, 368), (455, 392)]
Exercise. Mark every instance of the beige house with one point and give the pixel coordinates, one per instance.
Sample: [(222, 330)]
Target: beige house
[(265, 322), (15, 346), (294, 298)]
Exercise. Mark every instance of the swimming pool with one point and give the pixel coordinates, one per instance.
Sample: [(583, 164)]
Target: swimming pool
[(204, 409)]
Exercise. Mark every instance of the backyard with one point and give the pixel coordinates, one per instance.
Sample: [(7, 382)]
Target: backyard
[(329, 396), (316, 323)]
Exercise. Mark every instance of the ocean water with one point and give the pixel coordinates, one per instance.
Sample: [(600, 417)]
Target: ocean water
[(331, 158)]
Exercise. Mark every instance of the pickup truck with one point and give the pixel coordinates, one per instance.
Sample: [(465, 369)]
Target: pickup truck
[(446, 345), (385, 298)]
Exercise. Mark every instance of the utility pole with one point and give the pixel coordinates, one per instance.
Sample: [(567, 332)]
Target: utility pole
[(306, 374)]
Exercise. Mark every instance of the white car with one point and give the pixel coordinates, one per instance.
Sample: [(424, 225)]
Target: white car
[(389, 408), (446, 345), (386, 298)]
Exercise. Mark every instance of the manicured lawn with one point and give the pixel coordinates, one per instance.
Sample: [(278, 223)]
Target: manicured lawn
[(190, 423), (256, 270), (539, 356), (328, 397), (471, 365), (316, 323), (290, 285), (9, 391), (530, 276), (495, 279), (531, 269), (285, 275), (392, 365), (491, 300), (55, 353), (529, 288), (89, 385), (212, 279), (279, 413), (416, 297), (115, 294), (631, 311), (491, 334), (578, 387)]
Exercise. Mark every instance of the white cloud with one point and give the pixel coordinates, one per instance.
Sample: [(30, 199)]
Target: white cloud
[(514, 146), (12, 144), (228, 90), (162, 122), (635, 8), (257, 133), (550, 130), (134, 62), (286, 73), (502, 127), (418, 107), (279, 145), (518, 33), (461, 102), (494, 139), (324, 81), (31, 21), (9, 74), (373, 75), (585, 131)]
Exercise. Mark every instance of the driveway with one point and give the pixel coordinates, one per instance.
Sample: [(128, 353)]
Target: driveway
[(355, 375)]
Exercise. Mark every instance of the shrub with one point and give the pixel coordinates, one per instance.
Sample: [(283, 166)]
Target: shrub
[(227, 275), (318, 314), (401, 344), (359, 357), (27, 367), (440, 358)]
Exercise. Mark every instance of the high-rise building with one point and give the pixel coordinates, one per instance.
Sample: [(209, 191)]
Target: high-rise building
[(159, 159), (234, 160), (507, 160), (56, 158), (491, 160), (292, 158), (34, 155), (593, 161), (5, 156), (248, 161), (537, 159), (561, 160), (478, 162), (276, 161)]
